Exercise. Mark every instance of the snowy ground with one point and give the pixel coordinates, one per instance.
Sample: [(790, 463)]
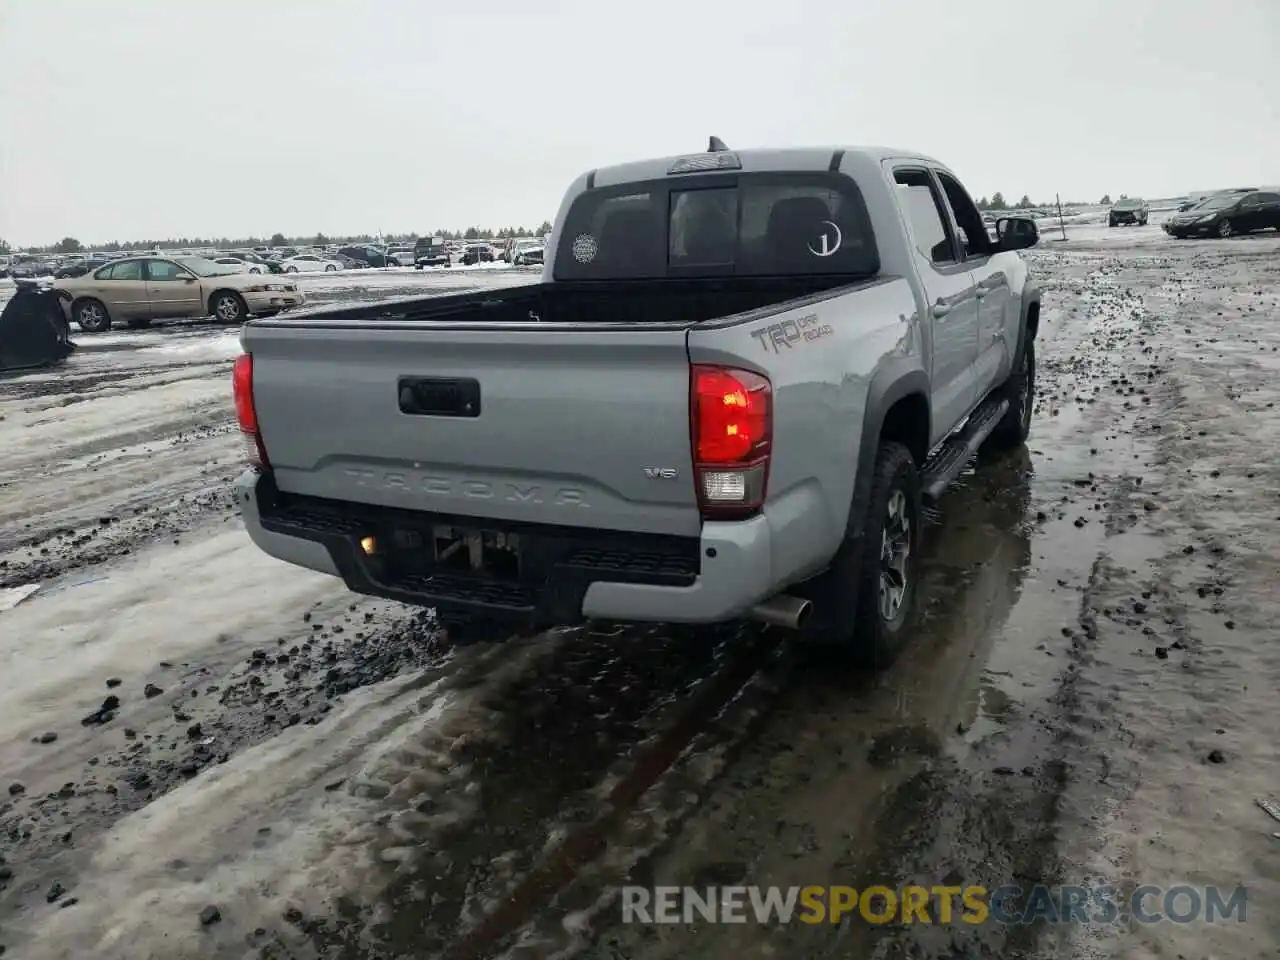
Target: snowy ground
[(188, 724)]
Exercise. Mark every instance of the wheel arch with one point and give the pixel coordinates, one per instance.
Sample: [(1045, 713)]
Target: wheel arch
[(897, 409), (218, 292)]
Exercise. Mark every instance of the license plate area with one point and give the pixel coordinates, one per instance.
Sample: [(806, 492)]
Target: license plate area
[(467, 551)]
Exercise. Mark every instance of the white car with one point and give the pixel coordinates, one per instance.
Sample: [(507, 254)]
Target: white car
[(240, 266), (310, 263), (527, 250)]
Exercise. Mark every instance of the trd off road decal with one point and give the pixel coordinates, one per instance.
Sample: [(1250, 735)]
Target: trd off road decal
[(792, 332)]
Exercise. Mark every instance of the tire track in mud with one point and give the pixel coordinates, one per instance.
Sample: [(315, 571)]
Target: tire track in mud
[(569, 745), (996, 819), (102, 489), (522, 791)]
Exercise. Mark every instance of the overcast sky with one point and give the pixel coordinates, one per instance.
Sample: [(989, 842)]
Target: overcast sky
[(147, 119)]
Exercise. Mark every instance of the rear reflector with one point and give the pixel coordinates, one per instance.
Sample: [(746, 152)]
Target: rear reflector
[(731, 426), (246, 413)]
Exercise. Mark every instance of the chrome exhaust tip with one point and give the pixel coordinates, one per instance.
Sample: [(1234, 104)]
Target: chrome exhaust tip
[(783, 611)]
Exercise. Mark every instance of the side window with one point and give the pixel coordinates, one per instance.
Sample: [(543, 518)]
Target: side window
[(1269, 198), (928, 218), (127, 270), (973, 235), (1252, 200), (160, 270), (104, 273)]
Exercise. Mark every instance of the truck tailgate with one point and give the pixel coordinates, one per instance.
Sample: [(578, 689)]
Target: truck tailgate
[(538, 425)]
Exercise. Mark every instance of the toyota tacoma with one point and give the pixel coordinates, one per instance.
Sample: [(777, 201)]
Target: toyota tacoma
[(740, 377)]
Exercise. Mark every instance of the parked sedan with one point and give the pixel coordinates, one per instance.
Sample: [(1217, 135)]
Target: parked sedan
[(1227, 214), (310, 263), (236, 265), (137, 290), (1128, 210), (350, 263)]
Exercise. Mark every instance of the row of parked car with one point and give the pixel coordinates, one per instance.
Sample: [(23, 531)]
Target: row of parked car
[(1223, 213), (426, 252)]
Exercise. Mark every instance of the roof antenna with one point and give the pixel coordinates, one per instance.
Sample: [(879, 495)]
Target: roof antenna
[(716, 146)]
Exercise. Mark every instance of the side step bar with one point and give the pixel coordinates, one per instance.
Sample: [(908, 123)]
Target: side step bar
[(956, 451)]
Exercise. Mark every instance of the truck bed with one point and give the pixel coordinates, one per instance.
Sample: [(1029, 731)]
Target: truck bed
[(641, 302)]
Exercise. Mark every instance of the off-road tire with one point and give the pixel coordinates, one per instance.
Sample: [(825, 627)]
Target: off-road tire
[(97, 321), (847, 620), (1020, 390)]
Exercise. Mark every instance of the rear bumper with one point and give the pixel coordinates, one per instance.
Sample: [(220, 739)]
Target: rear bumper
[(566, 574)]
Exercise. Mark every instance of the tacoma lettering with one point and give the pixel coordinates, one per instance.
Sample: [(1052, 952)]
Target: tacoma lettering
[(469, 489)]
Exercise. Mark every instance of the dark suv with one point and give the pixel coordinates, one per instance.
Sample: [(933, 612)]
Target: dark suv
[(1128, 210), (1227, 214)]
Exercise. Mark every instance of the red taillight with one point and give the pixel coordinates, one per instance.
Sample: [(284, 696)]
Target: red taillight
[(246, 414), (731, 420)]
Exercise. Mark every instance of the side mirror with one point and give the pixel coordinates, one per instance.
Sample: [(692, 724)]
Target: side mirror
[(1016, 233)]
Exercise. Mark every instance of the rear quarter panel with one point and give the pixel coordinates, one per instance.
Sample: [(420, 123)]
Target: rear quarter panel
[(821, 357)]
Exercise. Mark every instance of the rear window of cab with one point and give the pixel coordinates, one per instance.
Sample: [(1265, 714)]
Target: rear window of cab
[(779, 224)]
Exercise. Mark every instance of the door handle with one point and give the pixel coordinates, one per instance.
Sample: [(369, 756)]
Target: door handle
[(940, 309)]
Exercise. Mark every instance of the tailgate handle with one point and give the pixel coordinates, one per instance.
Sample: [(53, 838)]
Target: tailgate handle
[(440, 396)]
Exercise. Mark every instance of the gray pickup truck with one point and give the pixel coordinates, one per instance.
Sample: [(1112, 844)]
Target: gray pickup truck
[(741, 375)]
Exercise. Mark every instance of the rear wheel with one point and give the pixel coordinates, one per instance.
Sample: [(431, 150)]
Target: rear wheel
[(330, 268), (1020, 390), (865, 604), (92, 316), (227, 306)]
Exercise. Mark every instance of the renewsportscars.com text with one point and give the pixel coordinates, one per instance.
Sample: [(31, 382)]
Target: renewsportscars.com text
[(970, 905)]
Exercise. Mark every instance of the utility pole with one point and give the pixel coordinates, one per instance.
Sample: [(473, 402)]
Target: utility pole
[(1061, 223)]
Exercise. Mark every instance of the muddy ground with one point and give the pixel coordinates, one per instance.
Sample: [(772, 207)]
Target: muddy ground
[(206, 753)]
